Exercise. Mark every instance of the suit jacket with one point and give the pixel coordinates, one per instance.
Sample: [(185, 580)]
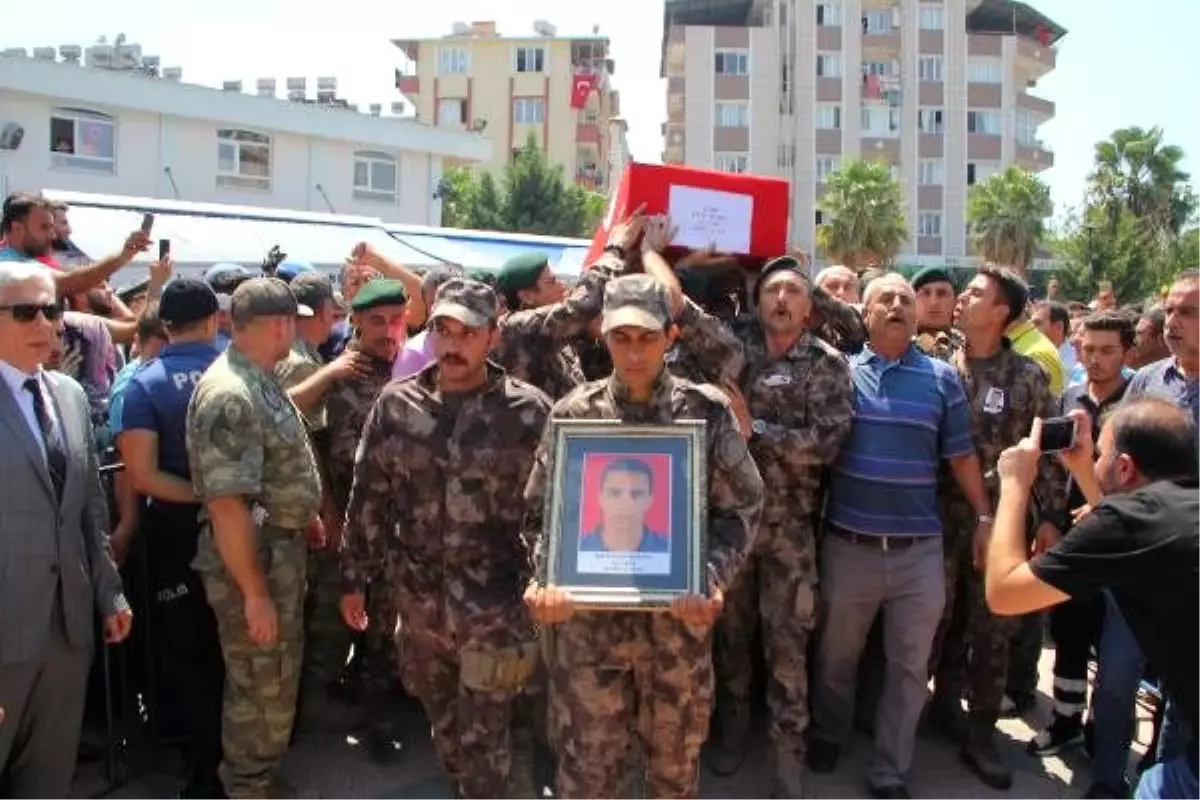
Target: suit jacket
[(45, 544)]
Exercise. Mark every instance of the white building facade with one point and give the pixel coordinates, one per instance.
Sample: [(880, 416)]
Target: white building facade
[(67, 127)]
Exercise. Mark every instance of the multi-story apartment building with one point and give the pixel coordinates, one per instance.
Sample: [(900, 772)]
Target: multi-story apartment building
[(938, 89), (127, 127), (509, 87)]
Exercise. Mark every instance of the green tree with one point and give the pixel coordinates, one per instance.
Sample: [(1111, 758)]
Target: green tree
[(1093, 248), (863, 215), (1136, 172), (1008, 214), (532, 196)]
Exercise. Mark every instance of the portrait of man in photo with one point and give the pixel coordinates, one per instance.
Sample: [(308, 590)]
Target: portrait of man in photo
[(622, 501)]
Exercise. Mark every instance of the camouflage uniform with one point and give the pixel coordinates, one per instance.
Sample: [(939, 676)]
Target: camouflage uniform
[(944, 346), (433, 503), (326, 637), (835, 322), (535, 343), (1006, 392), (707, 351), (245, 437), (347, 404), (618, 677), (803, 402)]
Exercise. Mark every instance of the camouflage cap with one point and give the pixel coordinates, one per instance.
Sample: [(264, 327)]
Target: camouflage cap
[(637, 300), (470, 302), (263, 297)]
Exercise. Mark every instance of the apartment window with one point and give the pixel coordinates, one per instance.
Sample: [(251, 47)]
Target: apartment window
[(930, 120), (731, 162), (829, 14), (1027, 128), (877, 68), (984, 70), (243, 159), (978, 172), (931, 17), (732, 115), (453, 60), (930, 172), (877, 22), (83, 140), (929, 68), (529, 110), (829, 65), (529, 59), (825, 166), (929, 224), (375, 176), (880, 120), (987, 122), (733, 62), (452, 111), (829, 117)]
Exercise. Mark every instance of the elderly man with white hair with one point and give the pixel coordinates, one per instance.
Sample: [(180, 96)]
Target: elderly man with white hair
[(56, 567), (883, 542), (841, 282)]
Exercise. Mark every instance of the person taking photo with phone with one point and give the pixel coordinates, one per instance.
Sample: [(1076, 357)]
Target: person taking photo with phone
[(1139, 541)]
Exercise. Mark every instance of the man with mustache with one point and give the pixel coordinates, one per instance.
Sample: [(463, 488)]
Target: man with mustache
[(442, 457), (883, 535), (795, 401), (378, 320)]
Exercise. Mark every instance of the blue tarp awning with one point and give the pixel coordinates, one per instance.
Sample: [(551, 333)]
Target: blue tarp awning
[(199, 239), (479, 253)]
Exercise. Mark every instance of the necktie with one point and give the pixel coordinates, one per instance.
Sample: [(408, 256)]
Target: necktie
[(56, 455)]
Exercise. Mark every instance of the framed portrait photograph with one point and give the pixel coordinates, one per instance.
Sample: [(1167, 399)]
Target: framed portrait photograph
[(626, 512)]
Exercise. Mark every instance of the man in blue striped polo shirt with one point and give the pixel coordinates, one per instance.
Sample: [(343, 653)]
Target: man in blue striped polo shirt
[(883, 543)]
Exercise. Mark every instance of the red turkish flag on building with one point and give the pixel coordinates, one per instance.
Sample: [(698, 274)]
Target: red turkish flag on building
[(582, 87), (1043, 35), (871, 87)]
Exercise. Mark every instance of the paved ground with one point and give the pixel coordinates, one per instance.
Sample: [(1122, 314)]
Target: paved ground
[(331, 766)]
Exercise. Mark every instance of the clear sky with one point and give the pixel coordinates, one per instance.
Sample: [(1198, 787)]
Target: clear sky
[(1120, 64)]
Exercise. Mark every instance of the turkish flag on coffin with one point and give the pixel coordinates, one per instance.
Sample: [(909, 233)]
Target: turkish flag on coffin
[(735, 214), (582, 87)]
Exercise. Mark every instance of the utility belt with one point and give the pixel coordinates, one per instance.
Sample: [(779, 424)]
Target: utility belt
[(505, 669)]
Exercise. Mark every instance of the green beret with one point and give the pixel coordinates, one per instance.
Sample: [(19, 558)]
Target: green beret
[(483, 276), (931, 275), (379, 292), (521, 272)]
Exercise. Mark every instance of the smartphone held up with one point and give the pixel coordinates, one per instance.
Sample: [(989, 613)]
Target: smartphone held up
[(1058, 434)]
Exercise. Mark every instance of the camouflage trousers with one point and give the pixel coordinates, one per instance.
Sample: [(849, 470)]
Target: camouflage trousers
[(380, 655), (621, 677), (977, 660), (326, 635), (471, 728), (777, 585), (261, 682)]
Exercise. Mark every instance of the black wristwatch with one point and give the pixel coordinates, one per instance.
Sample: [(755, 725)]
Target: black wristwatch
[(617, 250)]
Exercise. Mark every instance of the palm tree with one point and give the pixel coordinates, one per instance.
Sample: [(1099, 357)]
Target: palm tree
[(863, 215), (1008, 214), (1134, 171)]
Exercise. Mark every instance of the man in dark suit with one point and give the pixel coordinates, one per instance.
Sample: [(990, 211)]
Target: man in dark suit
[(56, 567)]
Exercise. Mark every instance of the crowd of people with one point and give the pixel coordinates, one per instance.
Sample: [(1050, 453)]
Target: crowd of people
[(334, 494)]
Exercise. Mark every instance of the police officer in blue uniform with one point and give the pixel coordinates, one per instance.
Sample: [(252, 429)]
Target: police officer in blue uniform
[(153, 445)]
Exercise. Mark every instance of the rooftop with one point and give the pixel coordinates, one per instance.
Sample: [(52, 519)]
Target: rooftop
[(139, 90), (487, 30), (988, 16)]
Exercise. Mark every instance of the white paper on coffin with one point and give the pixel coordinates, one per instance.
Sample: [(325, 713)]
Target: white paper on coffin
[(711, 218)]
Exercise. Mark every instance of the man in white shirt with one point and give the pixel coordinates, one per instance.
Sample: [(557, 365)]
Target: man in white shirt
[(56, 567)]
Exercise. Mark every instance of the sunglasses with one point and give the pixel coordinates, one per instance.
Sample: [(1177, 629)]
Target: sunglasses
[(27, 312)]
